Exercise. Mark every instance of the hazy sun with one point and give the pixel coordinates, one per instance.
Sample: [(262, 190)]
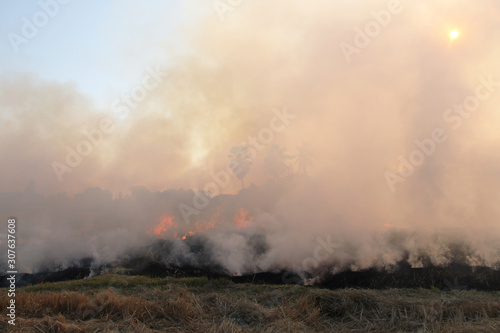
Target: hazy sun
[(454, 34)]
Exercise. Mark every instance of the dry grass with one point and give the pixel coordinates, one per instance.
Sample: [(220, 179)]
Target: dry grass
[(117, 303)]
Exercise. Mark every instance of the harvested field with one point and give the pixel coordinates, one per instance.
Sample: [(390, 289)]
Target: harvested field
[(120, 303)]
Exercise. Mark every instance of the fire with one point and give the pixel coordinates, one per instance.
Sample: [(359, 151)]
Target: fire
[(242, 219), (165, 224), (199, 227)]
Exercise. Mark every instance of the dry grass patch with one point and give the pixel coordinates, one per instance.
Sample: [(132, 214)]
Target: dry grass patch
[(123, 304)]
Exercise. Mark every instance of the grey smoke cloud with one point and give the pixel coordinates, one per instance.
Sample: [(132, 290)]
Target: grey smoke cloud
[(359, 117)]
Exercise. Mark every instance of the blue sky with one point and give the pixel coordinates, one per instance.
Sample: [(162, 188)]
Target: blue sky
[(103, 46)]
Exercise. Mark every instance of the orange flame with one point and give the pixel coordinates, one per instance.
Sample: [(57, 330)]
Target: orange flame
[(168, 226), (199, 227), (242, 219), (165, 224)]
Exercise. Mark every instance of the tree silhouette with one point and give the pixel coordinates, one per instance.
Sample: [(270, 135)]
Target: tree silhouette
[(305, 157), (240, 162), (274, 163)]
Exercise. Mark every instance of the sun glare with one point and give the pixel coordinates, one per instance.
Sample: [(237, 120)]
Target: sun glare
[(454, 34)]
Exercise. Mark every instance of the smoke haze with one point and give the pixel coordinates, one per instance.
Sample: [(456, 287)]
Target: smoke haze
[(360, 113)]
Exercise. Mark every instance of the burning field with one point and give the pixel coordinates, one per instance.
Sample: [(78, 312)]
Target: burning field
[(134, 263), (237, 237)]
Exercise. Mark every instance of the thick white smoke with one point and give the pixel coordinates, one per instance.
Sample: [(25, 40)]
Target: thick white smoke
[(366, 101)]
